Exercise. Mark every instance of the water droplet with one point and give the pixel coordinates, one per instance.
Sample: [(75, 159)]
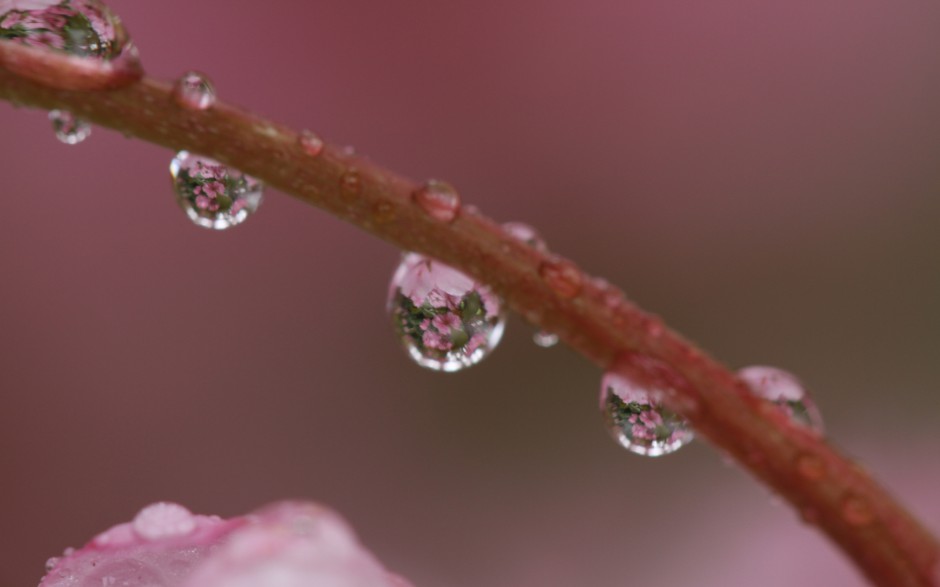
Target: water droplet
[(563, 277), (211, 194), (637, 419), (194, 91), (82, 28), (856, 511), (311, 142), (68, 128), (351, 182), (438, 199), (163, 520), (526, 234), (446, 319), (51, 563), (545, 339), (810, 467), (785, 391)]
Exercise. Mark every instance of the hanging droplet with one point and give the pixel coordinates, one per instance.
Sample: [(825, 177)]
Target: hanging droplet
[(211, 194), (563, 277), (785, 391), (545, 339), (637, 419), (51, 563), (194, 91), (446, 319), (68, 128), (526, 234), (312, 144), (439, 200)]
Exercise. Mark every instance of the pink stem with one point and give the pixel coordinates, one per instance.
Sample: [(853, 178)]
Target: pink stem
[(829, 490)]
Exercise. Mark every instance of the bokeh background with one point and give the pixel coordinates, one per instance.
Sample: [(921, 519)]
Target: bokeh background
[(763, 175)]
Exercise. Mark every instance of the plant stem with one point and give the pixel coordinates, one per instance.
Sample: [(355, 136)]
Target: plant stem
[(828, 490)]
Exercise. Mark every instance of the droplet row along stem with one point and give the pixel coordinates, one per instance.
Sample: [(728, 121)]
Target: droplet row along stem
[(893, 549)]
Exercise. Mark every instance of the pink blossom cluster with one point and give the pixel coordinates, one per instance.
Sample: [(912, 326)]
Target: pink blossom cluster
[(290, 544), (209, 183), (646, 425)]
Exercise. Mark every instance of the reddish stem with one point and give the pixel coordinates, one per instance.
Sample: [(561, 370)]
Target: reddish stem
[(829, 490)]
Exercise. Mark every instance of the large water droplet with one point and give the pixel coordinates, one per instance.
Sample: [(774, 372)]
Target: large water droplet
[(785, 391), (439, 200), (545, 339), (563, 277), (211, 194), (526, 234), (194, 91), (636, 418), (163, 520), (83, 28), (68, 128), (446, 319)]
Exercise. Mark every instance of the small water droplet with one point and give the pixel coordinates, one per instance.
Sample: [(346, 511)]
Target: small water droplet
[(68, 128), (446, 319), (351, 182), (526, 234), (213, 195), (194, 91), (810, 467), (637, 419), (311, 142), (51, 563), (545, 339), (438, 199), (786, 392), (653, 327), (562, 276), (163, 520), (856, 511)]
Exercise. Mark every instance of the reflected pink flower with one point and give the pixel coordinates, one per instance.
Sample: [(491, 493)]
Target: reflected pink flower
[(475, 342), (445, 322), (6, 5), (425, 275)]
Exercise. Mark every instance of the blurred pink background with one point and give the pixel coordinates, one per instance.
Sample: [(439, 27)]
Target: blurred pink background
[(765, 176)]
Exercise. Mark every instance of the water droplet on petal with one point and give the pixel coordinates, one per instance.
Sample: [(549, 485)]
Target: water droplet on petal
[(213, 195), (446, 320), (51, 564), (163, 520), (311, 143), (68, 128), (785, 391), (438, 199), (637, 419), (563, 277), (545, 339), (526, 234), (194, 91), (856, 511)]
